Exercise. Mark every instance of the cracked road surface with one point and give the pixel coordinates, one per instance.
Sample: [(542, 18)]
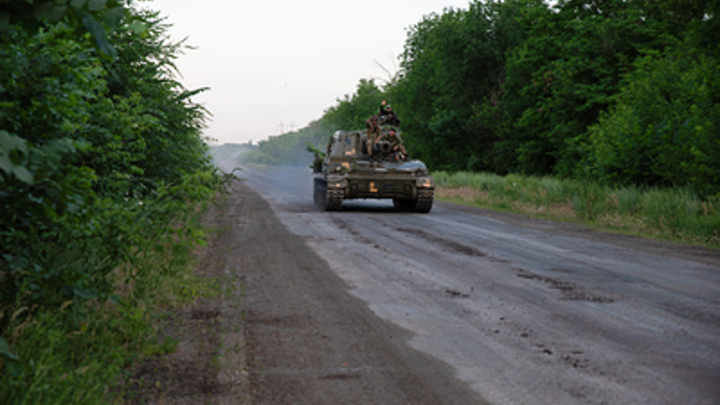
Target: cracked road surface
[(463, 306)]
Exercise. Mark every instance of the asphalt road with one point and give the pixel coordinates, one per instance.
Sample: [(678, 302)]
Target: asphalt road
[(513, 310)]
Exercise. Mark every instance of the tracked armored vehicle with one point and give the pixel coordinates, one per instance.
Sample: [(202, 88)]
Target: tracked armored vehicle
[(348, 172)]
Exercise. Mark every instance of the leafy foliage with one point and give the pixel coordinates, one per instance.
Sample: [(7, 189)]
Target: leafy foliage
[(103, 167), (353, 110), (451, 63), (664, 128), (521, 86), (32, 15), (566, 73)]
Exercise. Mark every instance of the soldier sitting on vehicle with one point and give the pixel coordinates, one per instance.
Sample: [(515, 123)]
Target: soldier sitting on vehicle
[(387, 115), (397, 149)]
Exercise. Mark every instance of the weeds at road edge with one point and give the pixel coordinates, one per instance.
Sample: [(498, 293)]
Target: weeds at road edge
[(675, 214), (81, 351)]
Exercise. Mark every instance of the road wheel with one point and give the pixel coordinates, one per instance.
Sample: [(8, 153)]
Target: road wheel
[(421, 204), (327, 199)]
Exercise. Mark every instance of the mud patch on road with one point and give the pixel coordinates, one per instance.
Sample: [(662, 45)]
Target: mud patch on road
[(458, 294), (570, 291), (573, 359), (344, 226), (695, 311), (447, 244)]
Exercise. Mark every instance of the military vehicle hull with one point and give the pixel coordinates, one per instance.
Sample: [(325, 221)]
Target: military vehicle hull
[(348, 172)]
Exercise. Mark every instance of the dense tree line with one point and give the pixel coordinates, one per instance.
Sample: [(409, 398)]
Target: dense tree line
[(100, 150), (622, 91), (626, 92)]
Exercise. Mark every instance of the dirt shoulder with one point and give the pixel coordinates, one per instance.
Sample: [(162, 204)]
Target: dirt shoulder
[(575, 230), (209, 364), (286, 330)]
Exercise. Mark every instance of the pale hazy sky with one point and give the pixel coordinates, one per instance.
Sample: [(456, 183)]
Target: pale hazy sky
[(277, 65)]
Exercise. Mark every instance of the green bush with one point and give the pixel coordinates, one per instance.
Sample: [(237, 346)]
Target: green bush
[(664, 129), (104, 172)]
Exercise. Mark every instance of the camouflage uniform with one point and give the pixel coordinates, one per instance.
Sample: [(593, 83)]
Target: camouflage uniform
[(373, 133), (397, 144), (388, 117)]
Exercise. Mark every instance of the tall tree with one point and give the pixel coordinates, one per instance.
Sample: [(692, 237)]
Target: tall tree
[(352, 111), (565, 73), (452, 63)]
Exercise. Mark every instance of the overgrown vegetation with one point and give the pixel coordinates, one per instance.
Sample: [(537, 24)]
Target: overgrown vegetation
[(104, 173), (618, 91), (674, 213)]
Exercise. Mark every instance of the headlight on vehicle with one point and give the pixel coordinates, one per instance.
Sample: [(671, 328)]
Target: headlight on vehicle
[(336, 183), (425, 182)]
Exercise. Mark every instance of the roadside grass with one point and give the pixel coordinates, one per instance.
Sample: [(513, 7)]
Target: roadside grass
[(673, 214), (81, 352)]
